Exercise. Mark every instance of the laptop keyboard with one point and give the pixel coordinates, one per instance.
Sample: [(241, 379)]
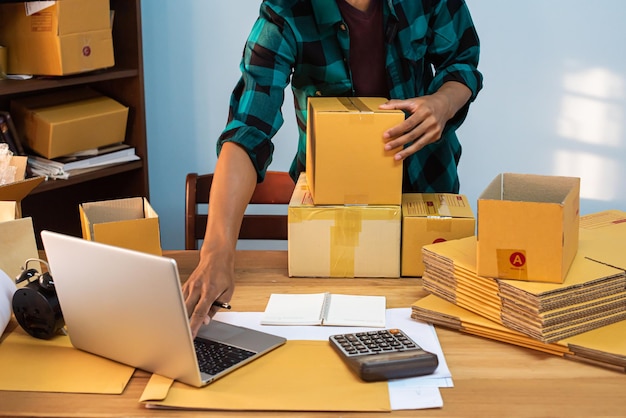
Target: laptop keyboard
[(215, 357)]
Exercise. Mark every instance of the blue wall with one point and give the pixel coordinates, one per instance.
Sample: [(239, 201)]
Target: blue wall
[(553, 102)]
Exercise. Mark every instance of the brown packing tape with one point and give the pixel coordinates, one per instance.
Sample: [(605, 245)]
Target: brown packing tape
[(344, 240)]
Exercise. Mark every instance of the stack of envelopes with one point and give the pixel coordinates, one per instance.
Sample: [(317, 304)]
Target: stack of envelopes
[(592, 295)]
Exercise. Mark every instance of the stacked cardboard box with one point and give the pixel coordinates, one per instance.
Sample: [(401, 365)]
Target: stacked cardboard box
[(345, 214)]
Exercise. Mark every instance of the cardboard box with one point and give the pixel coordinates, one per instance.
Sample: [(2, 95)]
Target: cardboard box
[(428, 218), (528, 227), (342, 241), (128, 223), (346, 161), (21, 187), (58, 124), (71, 36)]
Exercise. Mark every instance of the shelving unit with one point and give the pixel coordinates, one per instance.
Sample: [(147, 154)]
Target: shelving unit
[(54, 203)]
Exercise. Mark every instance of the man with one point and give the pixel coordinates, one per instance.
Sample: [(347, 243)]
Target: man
[(421, 54)]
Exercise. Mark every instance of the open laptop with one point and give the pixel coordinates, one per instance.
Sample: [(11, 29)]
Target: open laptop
[(128, 306)]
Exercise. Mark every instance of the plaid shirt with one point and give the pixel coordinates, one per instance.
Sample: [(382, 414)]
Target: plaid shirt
[(306, 43)]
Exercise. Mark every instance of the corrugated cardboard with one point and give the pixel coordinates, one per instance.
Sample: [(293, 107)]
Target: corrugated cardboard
[(346, 160), (528, 227), (19, 189), (342, 241), (71, 36), (58, 124), (128, 223), (428, 218)]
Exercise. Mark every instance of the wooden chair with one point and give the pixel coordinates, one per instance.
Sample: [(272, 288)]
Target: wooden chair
[(276, 189)]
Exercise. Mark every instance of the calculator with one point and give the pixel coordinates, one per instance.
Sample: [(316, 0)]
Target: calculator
[(383, 355)]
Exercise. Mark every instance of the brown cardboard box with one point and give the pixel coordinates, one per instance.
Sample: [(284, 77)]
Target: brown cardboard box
[(346, 161), (21, 187), (428, 218), (128, 223), (17, 235), (58, 124), (528, 227), (71, 36), (342, 241)]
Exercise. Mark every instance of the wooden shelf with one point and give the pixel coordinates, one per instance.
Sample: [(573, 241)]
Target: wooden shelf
[(53, 205)]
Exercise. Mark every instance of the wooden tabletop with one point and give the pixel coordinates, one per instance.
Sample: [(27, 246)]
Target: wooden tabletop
[(491, 379)]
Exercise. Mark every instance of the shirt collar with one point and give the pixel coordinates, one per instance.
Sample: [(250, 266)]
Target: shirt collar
[(327, 12)]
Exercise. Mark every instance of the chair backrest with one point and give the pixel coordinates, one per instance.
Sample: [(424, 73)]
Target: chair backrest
[(276, 189)]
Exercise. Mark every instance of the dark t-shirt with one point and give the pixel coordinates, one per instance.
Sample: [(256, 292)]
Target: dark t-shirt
[(367, 48)]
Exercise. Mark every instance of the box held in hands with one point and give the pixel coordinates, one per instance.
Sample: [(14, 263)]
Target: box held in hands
[(342, 240), (428, 218), (346, 161), (128, 223), (528, 227)]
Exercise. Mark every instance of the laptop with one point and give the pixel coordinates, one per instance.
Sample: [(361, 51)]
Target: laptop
[(128, 306)]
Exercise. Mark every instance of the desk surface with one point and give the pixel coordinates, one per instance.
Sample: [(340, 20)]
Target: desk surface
[(490, 378)]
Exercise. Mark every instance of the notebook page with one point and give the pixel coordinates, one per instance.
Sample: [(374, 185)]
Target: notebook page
[(355, 310), (294, 309)]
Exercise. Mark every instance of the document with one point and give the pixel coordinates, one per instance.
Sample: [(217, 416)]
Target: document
[(325, 309)]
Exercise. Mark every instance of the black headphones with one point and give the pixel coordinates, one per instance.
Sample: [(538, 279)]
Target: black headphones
[(36, 305)]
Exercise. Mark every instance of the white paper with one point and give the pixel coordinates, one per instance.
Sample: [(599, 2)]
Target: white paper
[(7, 289), (411, 393)]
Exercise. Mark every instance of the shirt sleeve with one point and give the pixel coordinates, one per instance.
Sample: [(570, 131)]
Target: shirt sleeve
[(454, 51), (255, 104)]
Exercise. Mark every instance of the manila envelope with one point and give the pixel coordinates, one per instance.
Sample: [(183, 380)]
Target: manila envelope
[(299, 376), (36, 365)]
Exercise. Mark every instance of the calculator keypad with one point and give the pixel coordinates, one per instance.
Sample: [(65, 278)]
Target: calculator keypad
[(373, 342)]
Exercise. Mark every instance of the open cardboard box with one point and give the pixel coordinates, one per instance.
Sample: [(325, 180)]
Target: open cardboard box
[(129, 223), (528, 227), (17, 235)]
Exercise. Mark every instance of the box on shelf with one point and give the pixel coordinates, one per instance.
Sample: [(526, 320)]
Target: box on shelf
[(346, 161), (528, 227), (67, 37), (428, 218), (57, 124), (342, 241), (128, 223)]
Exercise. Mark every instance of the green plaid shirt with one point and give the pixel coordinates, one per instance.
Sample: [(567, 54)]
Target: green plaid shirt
[(304, 42)]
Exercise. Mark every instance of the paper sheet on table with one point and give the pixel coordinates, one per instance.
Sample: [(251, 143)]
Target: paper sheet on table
[(35, 365), (298, 376), (422, 333)]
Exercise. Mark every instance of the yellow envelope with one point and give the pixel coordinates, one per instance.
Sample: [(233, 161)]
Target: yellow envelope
[(299, 376), (35, 365)]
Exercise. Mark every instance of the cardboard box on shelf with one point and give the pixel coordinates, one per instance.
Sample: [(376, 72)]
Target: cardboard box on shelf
[(57, 124), (346, 161), (128, 223), (428, 218), (67, 37), (342, 241), (528, 227)]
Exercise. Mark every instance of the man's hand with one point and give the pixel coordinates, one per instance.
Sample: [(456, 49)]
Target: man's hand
[(212, 279), (427, 118)]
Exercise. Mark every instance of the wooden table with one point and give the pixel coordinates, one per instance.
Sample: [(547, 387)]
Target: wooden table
[(491, 379)]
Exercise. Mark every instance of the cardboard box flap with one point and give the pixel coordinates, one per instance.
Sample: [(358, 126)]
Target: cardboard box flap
[(19, 190), (530, 188), (7, 211)]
